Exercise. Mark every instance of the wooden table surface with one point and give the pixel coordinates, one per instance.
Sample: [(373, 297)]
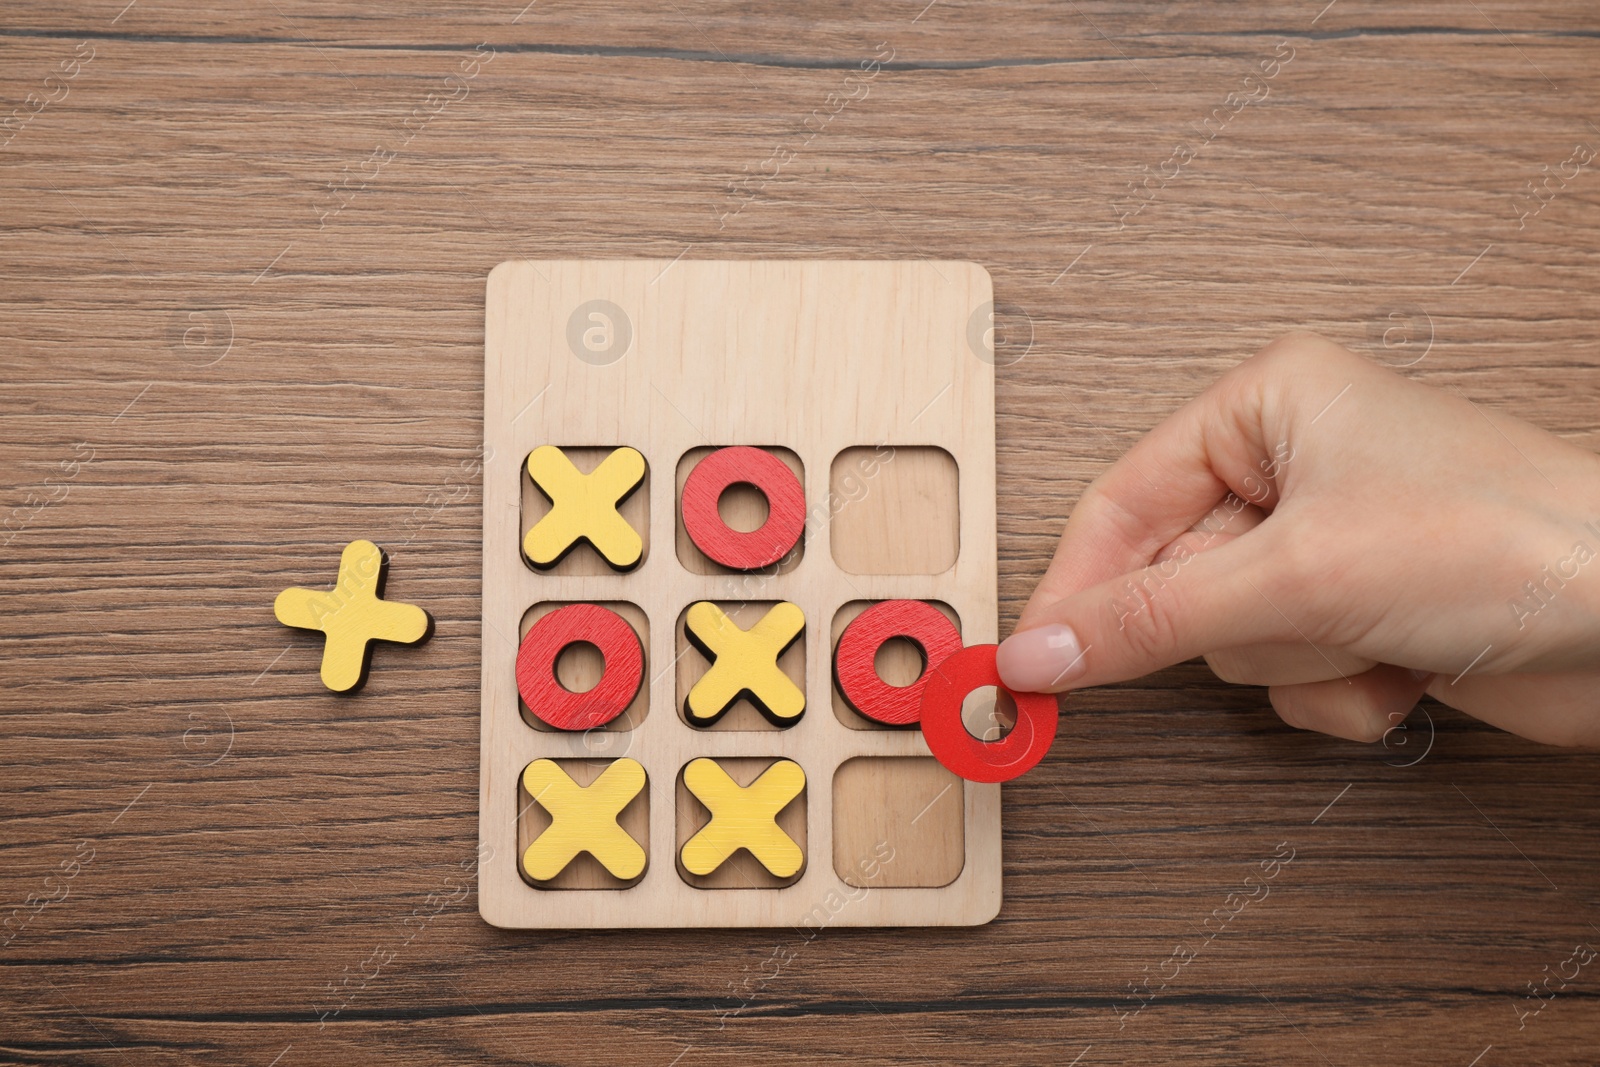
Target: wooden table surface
[(243, 259)]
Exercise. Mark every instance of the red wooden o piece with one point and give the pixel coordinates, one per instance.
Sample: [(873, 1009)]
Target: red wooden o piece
[(786, 507), (983, 761), (619, 683), (855, 659)]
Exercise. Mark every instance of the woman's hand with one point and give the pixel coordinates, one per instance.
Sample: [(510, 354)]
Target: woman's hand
[(1345, 536)]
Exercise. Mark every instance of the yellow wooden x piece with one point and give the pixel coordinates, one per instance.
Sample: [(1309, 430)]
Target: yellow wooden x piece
[(583, 819), (744, 663), (743, 817), (351, 615), (583, 507)]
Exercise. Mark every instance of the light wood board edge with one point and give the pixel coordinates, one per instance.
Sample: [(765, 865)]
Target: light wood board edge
[(875, 310)]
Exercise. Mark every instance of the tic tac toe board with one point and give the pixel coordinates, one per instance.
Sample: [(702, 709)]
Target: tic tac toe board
[(873, 383)]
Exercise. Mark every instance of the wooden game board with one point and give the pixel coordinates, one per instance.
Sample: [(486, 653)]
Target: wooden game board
[(869, 380)]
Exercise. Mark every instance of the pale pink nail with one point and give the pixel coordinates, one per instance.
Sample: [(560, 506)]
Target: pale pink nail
[(1042, 660)]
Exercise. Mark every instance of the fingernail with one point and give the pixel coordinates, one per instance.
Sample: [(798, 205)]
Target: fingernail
[(1041, 660)]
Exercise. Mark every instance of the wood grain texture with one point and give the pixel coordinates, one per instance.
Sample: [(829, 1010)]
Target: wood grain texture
[(211, 377), (912, 806), (919, 507)]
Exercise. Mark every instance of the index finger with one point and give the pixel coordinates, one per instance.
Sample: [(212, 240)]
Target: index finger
[(1201, 465)]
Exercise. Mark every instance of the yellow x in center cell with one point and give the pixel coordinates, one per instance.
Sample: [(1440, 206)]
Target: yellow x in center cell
[(743, 817), (744, 663), (583, 507), (583, 819)]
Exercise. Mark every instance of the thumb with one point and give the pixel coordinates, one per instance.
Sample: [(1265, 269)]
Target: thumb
[(1166, 613)]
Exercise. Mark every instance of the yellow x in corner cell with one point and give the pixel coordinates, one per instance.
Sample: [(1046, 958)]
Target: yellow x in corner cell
[(583, 507), (583, 819), (744, 663), (743, 817), (352, 616)]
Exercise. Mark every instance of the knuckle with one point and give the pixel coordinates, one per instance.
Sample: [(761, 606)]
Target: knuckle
[(1097, 509), (1147, 633), (1318, 590), (1293, 572), (1297, 350), (1296, 366), (1295, 563)]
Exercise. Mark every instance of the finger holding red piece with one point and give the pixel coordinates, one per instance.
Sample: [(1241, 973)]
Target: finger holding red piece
[(955, 747)]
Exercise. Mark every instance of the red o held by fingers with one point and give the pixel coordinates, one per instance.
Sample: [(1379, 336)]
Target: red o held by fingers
[(786, 507), (619, 683), (855, 659), (983, 761)]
